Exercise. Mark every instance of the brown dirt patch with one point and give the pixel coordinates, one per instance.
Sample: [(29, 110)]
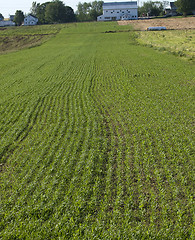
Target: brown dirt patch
[(169, 23), (15, 43)]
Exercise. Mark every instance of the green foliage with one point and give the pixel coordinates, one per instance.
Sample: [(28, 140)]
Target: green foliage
[(1, 17), (96, 138), (56, 11), (34, 8), (69, 15), (19, 17), (185, 6), (40, 12), (152, 8), (53, 12), (89, 11)]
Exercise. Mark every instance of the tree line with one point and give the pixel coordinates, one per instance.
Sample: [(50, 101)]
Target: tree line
[(57, 12), (151, 8), (48, 12), (89, 11), (52, 12), (157, 8), (185, 6)]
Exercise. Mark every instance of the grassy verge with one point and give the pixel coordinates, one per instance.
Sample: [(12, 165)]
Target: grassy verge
[(178, 42)]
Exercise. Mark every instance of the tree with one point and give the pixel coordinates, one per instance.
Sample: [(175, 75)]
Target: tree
[(57, 12), (19, 17), (69, 13), (83, 11), (185, 6), (53, 12), (1, 17), (89, 11), (34, 8), (40, 12), (96, 10), (152, 8)]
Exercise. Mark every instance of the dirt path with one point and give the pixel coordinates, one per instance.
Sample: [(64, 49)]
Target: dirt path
[(169, 23)]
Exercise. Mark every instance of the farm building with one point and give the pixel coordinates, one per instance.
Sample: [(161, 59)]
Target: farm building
[(30, 20), (114, 11), (11, 17), (172, 11)]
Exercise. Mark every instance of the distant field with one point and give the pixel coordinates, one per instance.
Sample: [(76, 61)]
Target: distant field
[(179, 39), (173, 23), (96, 138)]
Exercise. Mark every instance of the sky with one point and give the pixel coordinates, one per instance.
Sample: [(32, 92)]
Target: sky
[(9, 7)]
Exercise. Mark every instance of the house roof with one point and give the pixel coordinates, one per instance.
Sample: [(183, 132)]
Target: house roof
[(120, 3), (172, 4), (32, 16)]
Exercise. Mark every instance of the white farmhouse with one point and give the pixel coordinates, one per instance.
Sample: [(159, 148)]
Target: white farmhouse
[(114, 11), (30, 20)]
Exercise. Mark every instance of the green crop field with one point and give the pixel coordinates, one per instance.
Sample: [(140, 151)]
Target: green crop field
[(96, 139)]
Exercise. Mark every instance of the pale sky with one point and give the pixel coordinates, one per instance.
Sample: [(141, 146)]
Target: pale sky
[(9, 7)]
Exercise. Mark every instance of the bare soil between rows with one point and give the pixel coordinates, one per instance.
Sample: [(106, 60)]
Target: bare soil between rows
[(169, 23)]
